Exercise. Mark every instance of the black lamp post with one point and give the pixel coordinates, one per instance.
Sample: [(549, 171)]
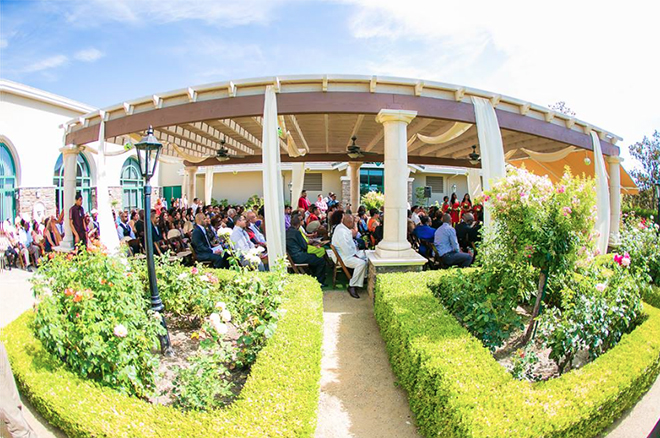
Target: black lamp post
[(657, 197), (148, 150)]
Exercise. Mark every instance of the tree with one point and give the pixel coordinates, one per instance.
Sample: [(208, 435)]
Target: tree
[(562, 108), (647, 152)]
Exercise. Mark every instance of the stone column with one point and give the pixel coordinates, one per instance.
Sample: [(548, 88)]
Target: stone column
[(615, 199), (395, 244), (69, 157), (354, 175), (190, 180)]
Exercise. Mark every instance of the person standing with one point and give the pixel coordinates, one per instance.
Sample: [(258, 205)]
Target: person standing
[(455, 209), (77, 222), (342, 240), (321, 204), (303, 202)]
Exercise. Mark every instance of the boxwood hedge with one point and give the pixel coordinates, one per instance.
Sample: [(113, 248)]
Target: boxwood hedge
[(279, 398), (457, 389)]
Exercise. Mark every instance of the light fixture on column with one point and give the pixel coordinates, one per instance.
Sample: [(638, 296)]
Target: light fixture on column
[(474, 156), (148, 150)]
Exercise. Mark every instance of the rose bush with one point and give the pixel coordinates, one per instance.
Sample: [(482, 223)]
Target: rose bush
[(94, 316), (640, 239)]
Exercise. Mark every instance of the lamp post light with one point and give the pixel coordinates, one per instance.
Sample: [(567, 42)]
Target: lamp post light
[(148, 150)]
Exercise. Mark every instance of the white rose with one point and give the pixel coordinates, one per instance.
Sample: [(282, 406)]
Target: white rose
[(225, 315), (625, 261), (182, 275), (600, 287), (120, 331), (220, 305)]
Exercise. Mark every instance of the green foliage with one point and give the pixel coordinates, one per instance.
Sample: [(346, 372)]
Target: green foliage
[(456, 388), (223, 202), (280, 397), (419, 195), (373, 200), (488, 312), (252, 201), (640, 239), (523, 362), (640, 212), (647, 152), (593, 320), (93, 315)]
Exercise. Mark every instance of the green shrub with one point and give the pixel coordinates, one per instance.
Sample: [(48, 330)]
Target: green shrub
[(640, 239), (373, 200), (280, 397), (456, 388), (486, 310), (94, 316)]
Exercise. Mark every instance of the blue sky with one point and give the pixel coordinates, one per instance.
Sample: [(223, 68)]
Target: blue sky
[(597, 56)]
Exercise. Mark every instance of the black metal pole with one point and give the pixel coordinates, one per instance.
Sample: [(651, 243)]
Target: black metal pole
[(156, 302)]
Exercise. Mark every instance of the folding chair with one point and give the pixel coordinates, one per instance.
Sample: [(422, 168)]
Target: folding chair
[(297, 268), (338, 266)]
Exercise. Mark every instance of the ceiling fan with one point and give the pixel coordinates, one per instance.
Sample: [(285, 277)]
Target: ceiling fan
[(354, 151), (223, 153), (474, 156)]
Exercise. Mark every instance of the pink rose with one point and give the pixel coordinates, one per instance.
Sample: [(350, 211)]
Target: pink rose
[(625, 261), (561, 189), (600, 287), (567, 211), (120, 331), (194, 270), (618, 258)]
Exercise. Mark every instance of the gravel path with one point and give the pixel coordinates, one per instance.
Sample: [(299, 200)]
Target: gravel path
[(359, 397)]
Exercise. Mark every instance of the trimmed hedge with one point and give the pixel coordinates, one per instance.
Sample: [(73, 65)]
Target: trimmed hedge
[(280, 397), (456, 388)]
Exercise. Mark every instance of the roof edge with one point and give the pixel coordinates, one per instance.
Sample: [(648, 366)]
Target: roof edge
[(16, 88)]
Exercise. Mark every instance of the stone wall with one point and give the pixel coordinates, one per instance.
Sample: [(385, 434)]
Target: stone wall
[(345, 190), (115, 194), (410, 191), (43, 198)]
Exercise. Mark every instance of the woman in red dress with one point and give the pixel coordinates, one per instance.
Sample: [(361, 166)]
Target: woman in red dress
[(466, 205), (478, 212), (455, 209), (445, 204)]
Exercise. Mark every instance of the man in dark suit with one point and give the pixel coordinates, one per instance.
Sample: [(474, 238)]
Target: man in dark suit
[(296, 246), (202, 245)]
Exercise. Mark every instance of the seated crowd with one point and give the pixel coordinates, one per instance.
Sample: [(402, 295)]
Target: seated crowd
[(209, 233)]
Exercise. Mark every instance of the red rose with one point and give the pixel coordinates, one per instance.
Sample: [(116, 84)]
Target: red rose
[(77, 297)]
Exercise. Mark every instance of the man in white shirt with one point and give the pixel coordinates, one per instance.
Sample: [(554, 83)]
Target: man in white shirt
[(252, 225), (242, 243), (415, 215), (342, 240)]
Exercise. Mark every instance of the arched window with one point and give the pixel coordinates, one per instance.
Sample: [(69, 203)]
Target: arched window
[(7, 184), (83, 182), (132, 185)]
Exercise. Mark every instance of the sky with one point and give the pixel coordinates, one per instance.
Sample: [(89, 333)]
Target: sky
[(600, 57)]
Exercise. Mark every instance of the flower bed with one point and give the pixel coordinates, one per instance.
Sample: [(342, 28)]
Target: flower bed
[(279, 398), (456, 388)]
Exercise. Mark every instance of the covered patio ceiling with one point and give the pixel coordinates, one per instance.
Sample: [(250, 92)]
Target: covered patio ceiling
[(323, 112)]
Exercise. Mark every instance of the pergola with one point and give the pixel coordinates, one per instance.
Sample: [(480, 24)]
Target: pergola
[(396, 121)]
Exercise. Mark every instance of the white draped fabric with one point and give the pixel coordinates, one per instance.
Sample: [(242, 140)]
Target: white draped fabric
[(474, 183), (108, 231), (297, 182), (208, 185), (602, 196), (457, 129), (547, 157), (272, 179), (490, 144), (187, 157)]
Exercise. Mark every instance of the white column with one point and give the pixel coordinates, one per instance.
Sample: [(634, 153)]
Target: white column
[(107, 226), (354, 175), (190, 173), (69, 157), (395, 244), (615, 199), (208, 185)]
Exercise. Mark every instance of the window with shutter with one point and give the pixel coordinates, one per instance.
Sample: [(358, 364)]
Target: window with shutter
[(313, 182), (437, 183)]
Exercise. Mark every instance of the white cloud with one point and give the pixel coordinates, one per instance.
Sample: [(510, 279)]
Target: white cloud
[(598, 57), (3, 43), (223, 13), (89, 55), (46, 64)]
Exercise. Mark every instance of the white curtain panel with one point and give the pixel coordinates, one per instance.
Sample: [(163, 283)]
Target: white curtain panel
[(457, 129), (208, 185), (272, 179), (474, 183), (297, 182), (602, 195), (490, 144), (107, 227), (548, 157)]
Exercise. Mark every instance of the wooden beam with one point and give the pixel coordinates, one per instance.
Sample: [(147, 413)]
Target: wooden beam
[(283, 145), (213, 135), (189, 143), (240, 131), (294, 121), (356, 128), (457, 146), (326, 119)]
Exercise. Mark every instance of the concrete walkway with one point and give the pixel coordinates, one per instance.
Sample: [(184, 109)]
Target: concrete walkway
[(359, 397)]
